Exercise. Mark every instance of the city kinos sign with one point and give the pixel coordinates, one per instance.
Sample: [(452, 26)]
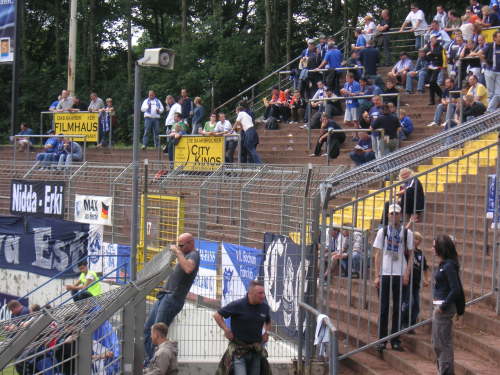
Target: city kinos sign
[(93, 209), (38, 198)]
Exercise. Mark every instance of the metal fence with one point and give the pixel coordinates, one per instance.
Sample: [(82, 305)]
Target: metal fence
[(455, 170), (92, 336)]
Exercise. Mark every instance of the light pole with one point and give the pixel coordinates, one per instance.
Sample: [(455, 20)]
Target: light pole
[(153, 58)]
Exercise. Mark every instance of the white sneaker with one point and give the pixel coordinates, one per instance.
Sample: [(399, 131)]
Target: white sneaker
[(443, 124), (325, 154), (431, 124), (303, 127)]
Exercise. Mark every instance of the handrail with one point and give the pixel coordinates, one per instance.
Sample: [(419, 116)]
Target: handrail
[(255, 84), (333, 339), (408, 156), (342, 68), (334, 98), (268, 76)]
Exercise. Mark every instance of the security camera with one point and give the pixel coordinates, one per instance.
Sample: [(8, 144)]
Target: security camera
[(158, 58)]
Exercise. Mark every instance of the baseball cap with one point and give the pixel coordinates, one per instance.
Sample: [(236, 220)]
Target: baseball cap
[(51, 131), (310, 41), (394, 208)]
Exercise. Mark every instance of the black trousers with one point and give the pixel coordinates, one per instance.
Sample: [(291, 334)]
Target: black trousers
[(433, 86), (388, 284), (81, 295), (332, 81)]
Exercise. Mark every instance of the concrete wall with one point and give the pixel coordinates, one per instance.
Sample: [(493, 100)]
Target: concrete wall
[(20, 283)]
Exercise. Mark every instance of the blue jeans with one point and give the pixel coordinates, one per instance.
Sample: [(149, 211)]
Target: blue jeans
[(448, 109), (151, 125), (419, 41), (249, 143), (361, 158), (420, 77), (164, 310), (46, 158), (248, 364), (356, 263), (415, 305)]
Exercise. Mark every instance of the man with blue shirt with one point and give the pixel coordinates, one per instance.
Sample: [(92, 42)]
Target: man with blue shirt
[(25, 141), (332, 61), (71, 151), (401, 68), (363, 152), (249, 315), (360, 40), (49, 150), (152, 109), (351, 88)]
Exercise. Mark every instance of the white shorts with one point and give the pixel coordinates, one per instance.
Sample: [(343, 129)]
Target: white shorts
[(351, 114)]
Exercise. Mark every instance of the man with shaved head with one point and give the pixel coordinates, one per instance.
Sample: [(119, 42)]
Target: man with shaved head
[(171, 298)]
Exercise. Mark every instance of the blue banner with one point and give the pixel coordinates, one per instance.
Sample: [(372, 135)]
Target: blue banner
[(42, 245), (281, 273), (205, 284), (240, 265), (492, 190), (7, 30)]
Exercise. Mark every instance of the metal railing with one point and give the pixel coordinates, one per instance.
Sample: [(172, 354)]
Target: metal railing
[(341, 98), (27, 151), (76, 337), (452, 185), (412, 155), (333, 346)]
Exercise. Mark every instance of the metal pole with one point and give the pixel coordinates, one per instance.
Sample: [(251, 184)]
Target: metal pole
[(15, 67), (135, 174), (309, 125), (72, 47), (495, 232), (145, 212)]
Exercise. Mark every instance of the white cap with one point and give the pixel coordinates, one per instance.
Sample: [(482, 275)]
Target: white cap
[(394, 208)]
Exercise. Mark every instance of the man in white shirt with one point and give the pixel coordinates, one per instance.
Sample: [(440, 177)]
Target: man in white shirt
[(441, 16), (418, 25), (152, 109), (224, 128), (249, 137), (172, 108), (391, 271)]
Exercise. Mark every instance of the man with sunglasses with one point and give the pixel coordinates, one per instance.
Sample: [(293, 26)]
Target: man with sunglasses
[(171, 299)]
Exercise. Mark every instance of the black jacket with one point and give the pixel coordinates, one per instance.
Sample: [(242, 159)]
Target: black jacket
[(475, 110), (435, 57), (414, 199), (447, 284)]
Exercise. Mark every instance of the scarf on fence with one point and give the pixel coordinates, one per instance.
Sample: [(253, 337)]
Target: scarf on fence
[(239, 348), (105, 119)]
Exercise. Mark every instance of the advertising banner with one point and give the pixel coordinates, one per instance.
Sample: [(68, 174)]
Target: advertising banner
[(199, 153), (240, 265), (281, 273), (92, 209), (4, 299), (78, 123), (44, 246), (37, 198), (205, 284), (7, 30)]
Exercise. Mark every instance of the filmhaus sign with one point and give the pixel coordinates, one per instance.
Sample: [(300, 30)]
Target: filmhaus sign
[(38, 198)]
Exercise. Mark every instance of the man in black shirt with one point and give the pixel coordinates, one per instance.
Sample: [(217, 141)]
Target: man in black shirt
[(248, 315), (171, 299), (391, 126), (384, 26)]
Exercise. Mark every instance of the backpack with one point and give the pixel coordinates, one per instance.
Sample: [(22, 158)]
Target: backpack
[(272, 123)]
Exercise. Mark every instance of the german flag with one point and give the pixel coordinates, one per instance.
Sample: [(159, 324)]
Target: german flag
[(104, 211)]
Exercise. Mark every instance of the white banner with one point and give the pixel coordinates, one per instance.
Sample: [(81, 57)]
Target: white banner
[(93, 209)]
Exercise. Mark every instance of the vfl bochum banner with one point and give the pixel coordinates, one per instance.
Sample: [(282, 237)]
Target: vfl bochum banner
[(7, 30), (45, 246), (281, 273), (205, 284), (240, 265)]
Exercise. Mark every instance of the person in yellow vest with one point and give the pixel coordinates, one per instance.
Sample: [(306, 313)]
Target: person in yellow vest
[(85, 287)]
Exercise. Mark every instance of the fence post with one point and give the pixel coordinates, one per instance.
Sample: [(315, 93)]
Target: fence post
[(84, 347), (309, 125), (495, 232), (128, 319), (334, 353), (140, 319)]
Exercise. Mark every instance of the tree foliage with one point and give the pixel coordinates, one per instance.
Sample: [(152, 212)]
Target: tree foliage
[(218, 42)]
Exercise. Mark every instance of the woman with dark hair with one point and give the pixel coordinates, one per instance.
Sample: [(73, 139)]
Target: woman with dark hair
[(447, 295)]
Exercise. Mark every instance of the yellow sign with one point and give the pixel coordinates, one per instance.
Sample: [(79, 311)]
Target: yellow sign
[(199, 153), (77, 124), (488, 34)]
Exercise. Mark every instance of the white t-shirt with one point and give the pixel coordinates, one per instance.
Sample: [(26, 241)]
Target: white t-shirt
[(223, 127), (245, 120), (369, 29), (392, 247), (413, 18), (156, 108), (175, 108)]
